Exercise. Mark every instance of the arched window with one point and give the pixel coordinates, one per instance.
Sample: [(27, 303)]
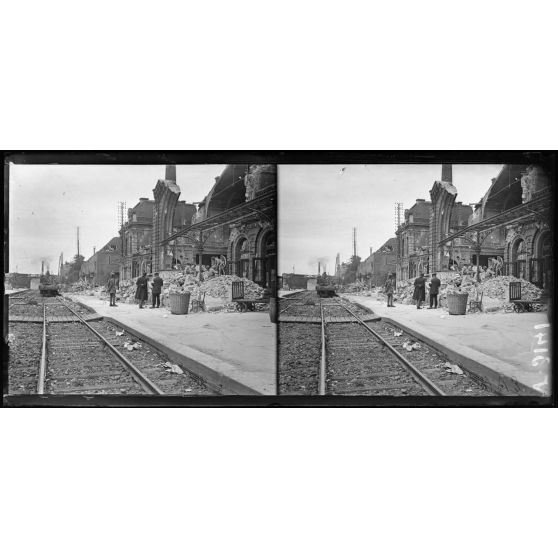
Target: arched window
[(519, 259), (545, 247), (518, 250)]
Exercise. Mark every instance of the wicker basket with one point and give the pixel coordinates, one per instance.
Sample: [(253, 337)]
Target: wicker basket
[(179, 303), (457, 303)]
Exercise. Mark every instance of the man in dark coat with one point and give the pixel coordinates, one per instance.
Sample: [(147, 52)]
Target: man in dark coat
[(420, 290), (156, 291), (389, 288), (434, 290), (141, 291), (111, 289)]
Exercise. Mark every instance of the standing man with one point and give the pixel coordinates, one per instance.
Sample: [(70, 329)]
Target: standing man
[(389, 288), (156, 291), (141, 291), (420, 290), (111, 289), (434, 290)]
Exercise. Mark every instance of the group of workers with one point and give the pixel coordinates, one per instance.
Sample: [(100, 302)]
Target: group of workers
[(419, 294), (141, 291)]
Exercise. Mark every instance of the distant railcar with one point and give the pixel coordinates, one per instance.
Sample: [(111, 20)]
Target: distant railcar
[(325, 287), (48, 286)]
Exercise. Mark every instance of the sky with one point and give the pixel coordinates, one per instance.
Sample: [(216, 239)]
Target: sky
[(48, 203), (319, 205)]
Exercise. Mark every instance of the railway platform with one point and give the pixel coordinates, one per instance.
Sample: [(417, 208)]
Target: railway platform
[(237, 350), (503, 348)]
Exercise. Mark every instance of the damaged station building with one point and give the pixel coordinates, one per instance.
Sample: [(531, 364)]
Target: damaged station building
[(509, 228), (98, 268), (235, 225), (379, 264)]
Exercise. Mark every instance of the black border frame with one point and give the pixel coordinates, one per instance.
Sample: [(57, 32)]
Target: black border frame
[(547, 159)]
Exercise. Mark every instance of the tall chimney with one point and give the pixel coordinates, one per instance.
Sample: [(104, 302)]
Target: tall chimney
[(170, 173), (318, 268), (42, 267), (446, 173)]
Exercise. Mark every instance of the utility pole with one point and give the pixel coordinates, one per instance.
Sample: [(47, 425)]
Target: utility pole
[(338, 266), (398, 211), (121, 213)]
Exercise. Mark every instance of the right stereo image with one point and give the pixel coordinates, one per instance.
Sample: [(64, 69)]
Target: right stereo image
[(415, 280)]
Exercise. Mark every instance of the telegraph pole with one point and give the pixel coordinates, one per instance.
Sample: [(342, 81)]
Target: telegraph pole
[(121, 213), (398, 210)]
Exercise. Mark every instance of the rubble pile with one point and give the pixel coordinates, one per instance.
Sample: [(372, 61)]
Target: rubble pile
[(356, 287), (215, 287), (496, 288), (220, 287), (127, 292), (499, 287), (186, 281), (84, 288)]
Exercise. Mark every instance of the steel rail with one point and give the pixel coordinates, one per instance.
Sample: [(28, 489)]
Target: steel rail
[(42, 365), (323, 363), (12, 297), (426, 384), (293, 296), (137, 374), (285, 309)]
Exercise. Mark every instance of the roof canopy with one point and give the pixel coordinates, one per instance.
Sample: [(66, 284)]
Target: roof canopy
[(539, 207), (505, 192), (262, 206)]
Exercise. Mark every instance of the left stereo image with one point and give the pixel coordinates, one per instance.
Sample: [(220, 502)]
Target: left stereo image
[(141, 280)]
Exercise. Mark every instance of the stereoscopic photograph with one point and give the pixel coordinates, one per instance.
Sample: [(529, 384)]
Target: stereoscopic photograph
[(389, 281), (131, 280), (405, 280)]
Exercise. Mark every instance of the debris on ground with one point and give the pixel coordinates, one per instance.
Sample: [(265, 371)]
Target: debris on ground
[(453, 368), (356, 287), (496, 288), (186, 281), (174, 368)]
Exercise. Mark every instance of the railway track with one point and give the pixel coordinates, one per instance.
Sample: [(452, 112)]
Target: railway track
[(333, 347), (386, 371), (62, 350)]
